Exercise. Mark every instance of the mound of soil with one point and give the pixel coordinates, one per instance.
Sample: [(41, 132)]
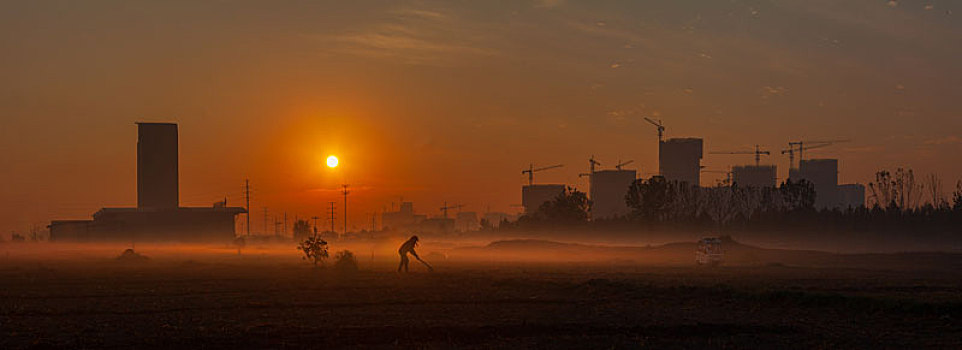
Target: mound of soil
[(130, 256)]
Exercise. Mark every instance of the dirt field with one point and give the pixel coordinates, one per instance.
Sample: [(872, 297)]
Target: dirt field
[(261, 301)]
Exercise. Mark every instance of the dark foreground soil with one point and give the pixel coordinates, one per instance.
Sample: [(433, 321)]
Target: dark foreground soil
[(233, 305)]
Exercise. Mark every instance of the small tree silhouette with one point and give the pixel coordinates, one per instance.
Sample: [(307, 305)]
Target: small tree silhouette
[(345, 261), (569, 207), (314, 248), (957, 197)]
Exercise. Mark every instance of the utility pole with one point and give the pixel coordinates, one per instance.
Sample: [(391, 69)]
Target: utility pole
[(315, 225), (284, 229), (266, 219), (345, 191), (247, 199), (332, 216)]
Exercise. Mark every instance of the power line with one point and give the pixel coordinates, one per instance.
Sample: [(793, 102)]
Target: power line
[(332, 216), (247, 199), (345, 191), (266, 220)]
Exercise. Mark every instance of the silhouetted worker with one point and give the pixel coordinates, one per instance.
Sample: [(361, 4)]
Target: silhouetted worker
[(408, 247)]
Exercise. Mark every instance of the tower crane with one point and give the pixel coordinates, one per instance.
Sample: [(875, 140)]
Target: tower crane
[(531, 170), (757, 152), (445, 208), (659, 126), (591, 166), (621, 164), (802, 146)]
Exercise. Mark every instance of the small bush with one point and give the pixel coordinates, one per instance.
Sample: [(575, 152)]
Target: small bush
[(314, 249), (130, 256), (345, 261)]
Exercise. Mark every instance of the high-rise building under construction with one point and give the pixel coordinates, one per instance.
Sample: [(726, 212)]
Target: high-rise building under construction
[(679, 159), (754, 175), (608, 190), (533, 196), (823, 174)]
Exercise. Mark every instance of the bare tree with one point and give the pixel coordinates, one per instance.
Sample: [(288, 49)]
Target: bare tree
[(883, 190), (900, 192), (957, 196), (933, 185), (909, 190)]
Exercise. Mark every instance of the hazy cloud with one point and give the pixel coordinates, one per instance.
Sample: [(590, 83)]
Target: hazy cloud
[(414, 36), (548, 3), (948, 140)]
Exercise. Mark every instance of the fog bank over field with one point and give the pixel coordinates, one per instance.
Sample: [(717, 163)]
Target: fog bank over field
[(491, 251)]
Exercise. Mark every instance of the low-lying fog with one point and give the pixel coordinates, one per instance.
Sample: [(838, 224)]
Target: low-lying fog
[(495, 250)]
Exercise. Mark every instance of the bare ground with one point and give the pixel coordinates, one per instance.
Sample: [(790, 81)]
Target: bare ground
[(251, 302)]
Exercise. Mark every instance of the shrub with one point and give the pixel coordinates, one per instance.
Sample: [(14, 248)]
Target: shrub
[(345, 261), (314, 248)]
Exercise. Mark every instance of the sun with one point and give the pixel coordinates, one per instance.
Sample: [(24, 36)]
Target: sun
[(332, 162)]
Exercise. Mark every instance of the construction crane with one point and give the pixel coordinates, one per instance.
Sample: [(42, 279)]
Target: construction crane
[(621, 164), (659, 126), (445, 208), (757, 152), (531, 170), (802, 146), (591, 166)]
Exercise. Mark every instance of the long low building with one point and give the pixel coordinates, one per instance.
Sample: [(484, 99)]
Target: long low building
[(158, 216), (183, 224)]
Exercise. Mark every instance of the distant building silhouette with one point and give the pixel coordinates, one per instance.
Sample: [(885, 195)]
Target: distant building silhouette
[(679, 159), (851, 196), (495, 218), (157, 168), (823, 174), (436, 225), (158, 215), (754, 175), (467, 221), (404, 218), (608, 190), (533, 196)]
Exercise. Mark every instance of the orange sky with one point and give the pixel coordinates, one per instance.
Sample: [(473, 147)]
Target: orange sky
[(435, 101)]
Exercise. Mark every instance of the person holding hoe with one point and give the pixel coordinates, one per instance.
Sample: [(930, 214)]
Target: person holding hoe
[(408, 247)]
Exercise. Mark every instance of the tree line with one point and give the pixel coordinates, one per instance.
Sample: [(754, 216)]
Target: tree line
[(896, 201)]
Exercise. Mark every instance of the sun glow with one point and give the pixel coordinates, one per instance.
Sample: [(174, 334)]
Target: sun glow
[(332, 162)]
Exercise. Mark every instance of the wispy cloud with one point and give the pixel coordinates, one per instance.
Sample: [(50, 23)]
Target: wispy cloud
[(415, 36), (948, 140), (548, 3)]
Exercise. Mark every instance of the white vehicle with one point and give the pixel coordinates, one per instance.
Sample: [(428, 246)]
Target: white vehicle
[(709, 251)]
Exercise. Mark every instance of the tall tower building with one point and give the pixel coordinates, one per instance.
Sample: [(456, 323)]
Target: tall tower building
[(608, 191), (157, 173), (823, 174), (679, 159)]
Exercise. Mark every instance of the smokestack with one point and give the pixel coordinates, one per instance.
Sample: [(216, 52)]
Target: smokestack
[(157, 173)]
